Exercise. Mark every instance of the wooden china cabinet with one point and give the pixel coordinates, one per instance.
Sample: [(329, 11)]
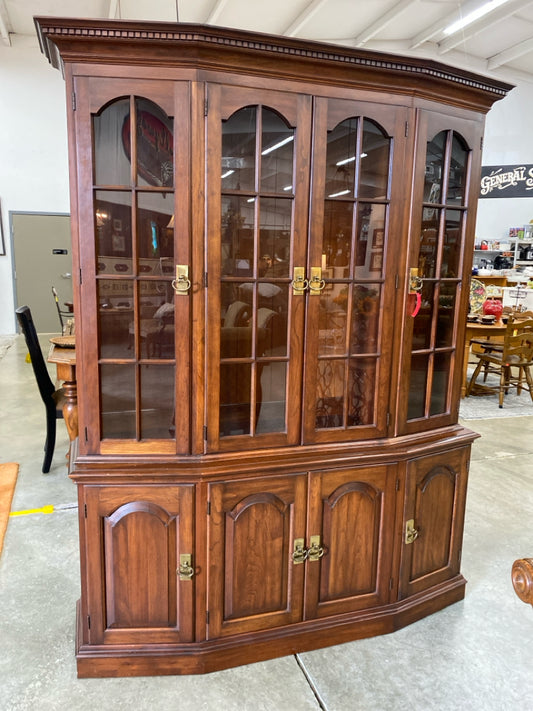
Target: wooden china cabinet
[(272, 240)]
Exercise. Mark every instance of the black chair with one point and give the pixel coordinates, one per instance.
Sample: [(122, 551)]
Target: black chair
[(53, 399)]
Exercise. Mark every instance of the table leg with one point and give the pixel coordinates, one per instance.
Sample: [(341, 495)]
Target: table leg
[(70, 408)]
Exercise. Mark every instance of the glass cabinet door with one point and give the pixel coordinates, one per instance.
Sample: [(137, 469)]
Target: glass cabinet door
[(257, 218), (443, 231), (134, 223), (357, 158)]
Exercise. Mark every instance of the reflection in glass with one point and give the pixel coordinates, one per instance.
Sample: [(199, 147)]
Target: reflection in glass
[(271, 397), (237, 243), (422, 322), (235, 398), (434, 168), (457, 173), (417, 386), (361, 391), (441, 374), (155, 233), (113, 232), (341, 159), (429, 245), (156, 325), (238, 150), (157, 401), (445, 315), (332, 323), (115, 318), (154, 143), (117, 397), (275, 220), (375, 155), (111, 164), (330, 394), (451, 250), (365, 318), (277, 152), (337, 240)]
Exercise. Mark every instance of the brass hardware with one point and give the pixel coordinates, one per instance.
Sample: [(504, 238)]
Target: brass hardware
[(415, 282), (185, 571), (299, 283), (299, 553), (315, 550), (411, 533), (316, 283), (181, 283)]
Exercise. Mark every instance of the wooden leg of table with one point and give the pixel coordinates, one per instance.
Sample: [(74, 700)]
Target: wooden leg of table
[(70, 409)]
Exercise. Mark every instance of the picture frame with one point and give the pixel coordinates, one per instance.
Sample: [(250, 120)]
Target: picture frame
[(378, 237), (376, 261)]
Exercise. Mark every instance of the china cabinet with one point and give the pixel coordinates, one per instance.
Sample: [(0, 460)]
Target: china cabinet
[(271, 241)]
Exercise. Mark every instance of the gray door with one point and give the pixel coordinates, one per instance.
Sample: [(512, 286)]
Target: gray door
[(42, 254)]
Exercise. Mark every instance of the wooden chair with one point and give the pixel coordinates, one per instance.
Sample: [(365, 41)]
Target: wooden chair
[(53, 399), (516, 355), (68, 322)]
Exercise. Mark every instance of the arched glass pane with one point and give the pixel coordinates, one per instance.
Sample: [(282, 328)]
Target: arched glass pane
[(155, 144), (375, 155), (238, 150), (111, 163), (434, 168), (277, 152), (341, 159), (457, 174)]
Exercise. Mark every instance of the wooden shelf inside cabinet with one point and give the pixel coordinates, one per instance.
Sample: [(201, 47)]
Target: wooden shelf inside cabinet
[(267, 339)]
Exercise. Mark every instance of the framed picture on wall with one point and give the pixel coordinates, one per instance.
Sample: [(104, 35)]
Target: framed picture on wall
[(377, 238), (376, 261), (2, 243)]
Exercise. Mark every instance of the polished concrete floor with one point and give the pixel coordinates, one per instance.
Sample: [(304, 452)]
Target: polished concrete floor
[(474, 656)]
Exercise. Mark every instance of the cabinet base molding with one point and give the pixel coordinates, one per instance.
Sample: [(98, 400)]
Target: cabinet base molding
[(98, 661)]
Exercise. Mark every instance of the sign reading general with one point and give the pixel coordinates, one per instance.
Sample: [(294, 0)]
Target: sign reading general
[(505, 181)]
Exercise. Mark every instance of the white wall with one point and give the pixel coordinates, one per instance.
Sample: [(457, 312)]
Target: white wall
[(33, 148), (34, 167)]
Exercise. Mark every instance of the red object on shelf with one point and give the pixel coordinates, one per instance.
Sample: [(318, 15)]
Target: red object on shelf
[(493, 307)]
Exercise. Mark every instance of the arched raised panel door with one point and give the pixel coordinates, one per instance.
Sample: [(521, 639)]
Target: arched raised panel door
[(433, 520), (448, 160), (257, 207), (135, 589), (134, 230), (352, 511), (254, 583), (356, 237)]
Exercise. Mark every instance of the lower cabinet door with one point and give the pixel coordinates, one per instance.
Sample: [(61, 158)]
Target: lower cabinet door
[(135, 538), (254, 583), (351, 519), (433, 519)]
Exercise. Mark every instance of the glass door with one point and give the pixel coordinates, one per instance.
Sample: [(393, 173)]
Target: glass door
[(443, 224), (356, 240), (259, 144), (129, 271)]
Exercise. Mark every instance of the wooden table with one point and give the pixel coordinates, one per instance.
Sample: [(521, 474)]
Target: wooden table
[(65, 360), (478, 330)]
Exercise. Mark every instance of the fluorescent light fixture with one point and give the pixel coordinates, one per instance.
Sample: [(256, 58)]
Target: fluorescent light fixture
[(473, 16), (227, 174), (350, 159), (277, 145), (342, 192)]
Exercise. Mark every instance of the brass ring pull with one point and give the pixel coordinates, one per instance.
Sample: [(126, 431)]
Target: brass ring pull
[(315, 552), (299, 552), (317, 285), (181, 285), (185, 570), (299, 285)]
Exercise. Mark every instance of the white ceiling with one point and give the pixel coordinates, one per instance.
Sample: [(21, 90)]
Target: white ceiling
[(499, 44)]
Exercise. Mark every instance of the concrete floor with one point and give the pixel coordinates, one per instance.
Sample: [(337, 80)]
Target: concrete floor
[(474, 655)]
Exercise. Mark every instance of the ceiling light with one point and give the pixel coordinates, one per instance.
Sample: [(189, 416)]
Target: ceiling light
[(342, 192), (350, 159), (226, 174), (473, 16), (277, 145)]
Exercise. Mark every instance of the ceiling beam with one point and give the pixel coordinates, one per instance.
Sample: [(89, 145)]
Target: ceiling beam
[(492, 18), (114, 6), (302, 18), (4, 22), (382, 22), (437, 27), (508, 55), (215, 12)]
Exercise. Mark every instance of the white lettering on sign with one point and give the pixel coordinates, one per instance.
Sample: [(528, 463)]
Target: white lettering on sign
[(498, 180)]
